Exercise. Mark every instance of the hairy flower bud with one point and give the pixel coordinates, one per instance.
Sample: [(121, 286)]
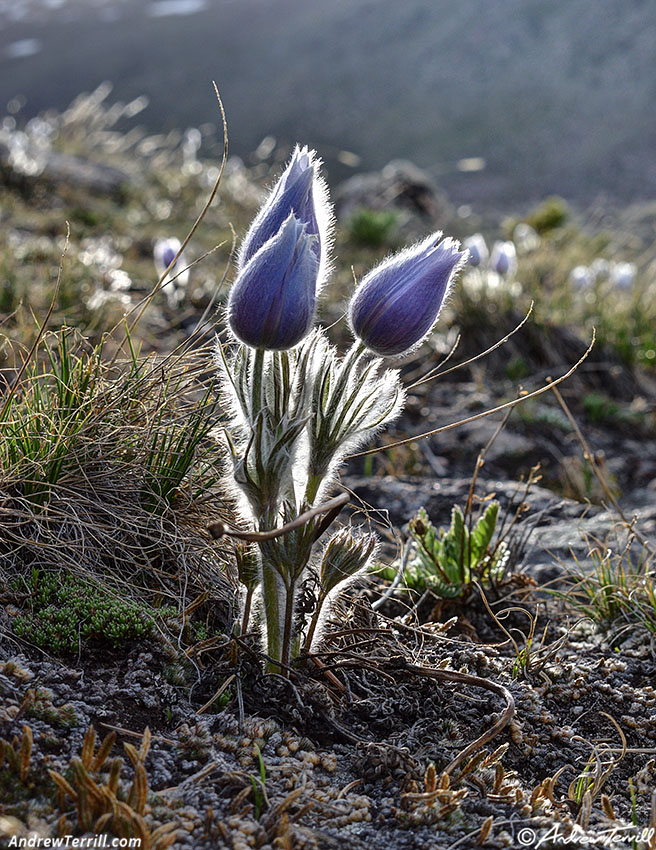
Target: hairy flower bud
[(272, 302), (623, 275), (477, 247), (398, 302), (175, 283), (303, 192), (345, 556), (248, 567), (503, 259)]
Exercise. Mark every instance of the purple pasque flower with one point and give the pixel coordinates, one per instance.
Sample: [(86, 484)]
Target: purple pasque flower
[(623, 275), (164, 253), (397, 303), (273, 299), (477, 247), (503, 259), (301, 191), (175, 283)]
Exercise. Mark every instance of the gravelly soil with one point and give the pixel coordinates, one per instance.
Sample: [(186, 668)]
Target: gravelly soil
[(346, 764)]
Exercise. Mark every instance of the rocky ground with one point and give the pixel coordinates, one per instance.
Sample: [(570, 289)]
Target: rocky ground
[(420, 722), (365, 752), (311, 764)]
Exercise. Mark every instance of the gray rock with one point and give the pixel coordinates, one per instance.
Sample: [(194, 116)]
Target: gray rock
[(561, 530), (73, 170), (400, 185)]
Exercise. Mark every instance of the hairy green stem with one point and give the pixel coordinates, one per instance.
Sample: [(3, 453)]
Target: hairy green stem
[(316, 476), (258, 374), (271, 581), (289, 626), (312, 489)]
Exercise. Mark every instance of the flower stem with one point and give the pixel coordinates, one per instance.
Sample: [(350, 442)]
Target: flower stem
[(312, 489), (271, 581), (288, 628), (257, 375)]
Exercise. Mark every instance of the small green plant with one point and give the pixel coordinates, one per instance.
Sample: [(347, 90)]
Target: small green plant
[(41, 424), (259, 786), (599, 766), (67, 612), (372, 228), (72, 413), (448, 562), (517, 369), (616, 589), (551, 214), (39, 705), (172, 450)]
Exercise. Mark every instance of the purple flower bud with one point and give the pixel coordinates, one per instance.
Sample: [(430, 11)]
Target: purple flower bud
[(272, 302), (623, 275), (168, 255), (175, 283), (398, 302), (503, 259), (477, 247), (301, 191), (164, 253)]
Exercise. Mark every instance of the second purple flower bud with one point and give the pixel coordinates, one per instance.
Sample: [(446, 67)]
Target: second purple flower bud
[(397, 303)]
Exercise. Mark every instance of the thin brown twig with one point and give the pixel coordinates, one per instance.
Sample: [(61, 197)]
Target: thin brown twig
[(477, 682), (218, 529), (218, 693), (426, 376), (435, 373), (588, 454), (132, 734), (478, 416)]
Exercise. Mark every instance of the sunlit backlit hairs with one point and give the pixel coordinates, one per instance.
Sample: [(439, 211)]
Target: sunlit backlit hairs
[(297, 407)]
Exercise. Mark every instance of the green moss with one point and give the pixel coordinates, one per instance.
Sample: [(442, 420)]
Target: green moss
[(67, 612)]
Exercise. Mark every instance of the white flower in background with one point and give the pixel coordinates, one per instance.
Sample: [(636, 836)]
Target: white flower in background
[(119, 281), (581, 277), (623, 275), (477, 247), (100, 254), (600, 268), (525, 238), (503, 259), (175, 283)]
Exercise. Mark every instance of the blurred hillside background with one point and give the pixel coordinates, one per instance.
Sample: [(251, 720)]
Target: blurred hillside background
[(501, 101)]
